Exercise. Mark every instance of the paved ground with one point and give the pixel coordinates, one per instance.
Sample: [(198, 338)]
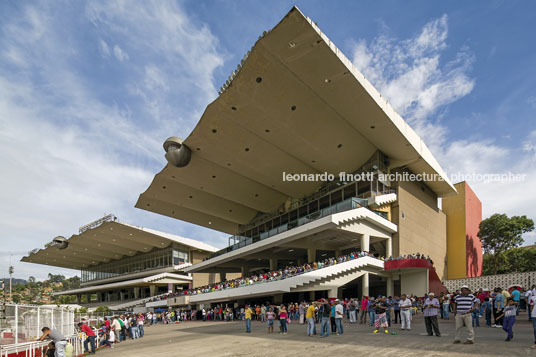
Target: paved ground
[(229, 339)]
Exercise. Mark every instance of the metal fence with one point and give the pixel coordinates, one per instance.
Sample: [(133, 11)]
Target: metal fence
[(22, 323)]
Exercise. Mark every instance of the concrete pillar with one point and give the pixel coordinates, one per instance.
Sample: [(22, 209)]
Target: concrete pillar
[(88, 298), (311, 296), (365, 243), (389, 247), (365, 285), (121, 295), (137, 293), (278, 298), (171, 287), (223, 276), (333, 293), (390, 286), (152, 290), (243, 270), (79, 298), (311, 255), (273, 263)]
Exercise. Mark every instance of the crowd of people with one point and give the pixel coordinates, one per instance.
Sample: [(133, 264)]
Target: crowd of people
[(499, 308), (278, 274), (384, 312)]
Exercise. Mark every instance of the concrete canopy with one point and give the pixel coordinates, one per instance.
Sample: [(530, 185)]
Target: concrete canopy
[(108, 242), (296, 105)]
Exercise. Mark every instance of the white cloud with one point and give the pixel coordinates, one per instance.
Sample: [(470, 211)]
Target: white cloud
[(70, 154), (120, 54), (411, 75), (104, 49)]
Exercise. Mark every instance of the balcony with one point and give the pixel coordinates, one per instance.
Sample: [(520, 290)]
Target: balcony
[(346, 205)]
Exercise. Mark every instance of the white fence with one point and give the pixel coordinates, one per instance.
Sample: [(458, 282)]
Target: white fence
[(22, 323), (525, 280)]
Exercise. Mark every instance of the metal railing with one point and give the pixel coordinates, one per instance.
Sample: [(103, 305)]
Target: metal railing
[(22, 323), (346, 205)]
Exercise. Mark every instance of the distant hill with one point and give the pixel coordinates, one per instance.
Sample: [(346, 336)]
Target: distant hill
[(15, 281)]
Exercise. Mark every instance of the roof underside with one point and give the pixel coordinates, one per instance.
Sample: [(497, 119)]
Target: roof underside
[(297, 105), (108, 242)]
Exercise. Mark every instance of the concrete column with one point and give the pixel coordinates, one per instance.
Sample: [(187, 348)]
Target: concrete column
[(333, 293), (338, 252), (243, 270), (152, 290), (278, 298), (223, 276), (273, 263), (88, 298), (365, 243), (136, 293), (171, 287), (390, 286), (311, 296), (79, 298), (389, 247), (365, 285), (121, 295), (311, 255)]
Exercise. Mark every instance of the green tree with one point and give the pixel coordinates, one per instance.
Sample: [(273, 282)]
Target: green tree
[(102, 309), (83, 309), (500, 233), (16, 298)]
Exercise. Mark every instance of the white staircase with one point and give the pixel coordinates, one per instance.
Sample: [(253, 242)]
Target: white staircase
[(320, 279)]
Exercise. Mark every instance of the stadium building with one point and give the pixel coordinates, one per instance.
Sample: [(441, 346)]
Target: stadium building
[(300, 159), (124, 265)]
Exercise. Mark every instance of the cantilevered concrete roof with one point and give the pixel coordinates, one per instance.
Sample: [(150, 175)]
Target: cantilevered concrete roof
[(107, 242), (296, 105)]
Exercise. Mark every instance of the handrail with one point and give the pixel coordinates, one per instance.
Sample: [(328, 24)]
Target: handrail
[(345, 205)]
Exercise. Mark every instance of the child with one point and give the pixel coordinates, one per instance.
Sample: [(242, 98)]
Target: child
[(50, 350), (509, 313), (487, 311), (270, 320)]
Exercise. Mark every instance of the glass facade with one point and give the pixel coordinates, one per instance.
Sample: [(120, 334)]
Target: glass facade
[(157, 259)]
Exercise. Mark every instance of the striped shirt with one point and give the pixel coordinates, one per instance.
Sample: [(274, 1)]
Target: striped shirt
[(464, 303)]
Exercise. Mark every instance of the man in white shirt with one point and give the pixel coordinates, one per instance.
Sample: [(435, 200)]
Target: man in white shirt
[(339, 313), (405, 312), (532, 304)]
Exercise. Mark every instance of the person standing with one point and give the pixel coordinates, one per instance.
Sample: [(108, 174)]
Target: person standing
[(363, 314), (405, 312), (396, 309), (248, 312), (283, 315), (498, 305), (301, 310), (60, 342), (446, 306), (532, 308), (464, 306), (431, 306), (324, 311), (352, 311), (310, 317), (381, 316), (339, 313), (516, 295), (263, 313), (270, 317), (90, 338)]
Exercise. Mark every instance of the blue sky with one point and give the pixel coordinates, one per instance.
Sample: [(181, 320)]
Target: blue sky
[(90, 90)]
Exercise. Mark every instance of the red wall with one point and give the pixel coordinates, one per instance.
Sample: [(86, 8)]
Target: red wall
[(473, 217)]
